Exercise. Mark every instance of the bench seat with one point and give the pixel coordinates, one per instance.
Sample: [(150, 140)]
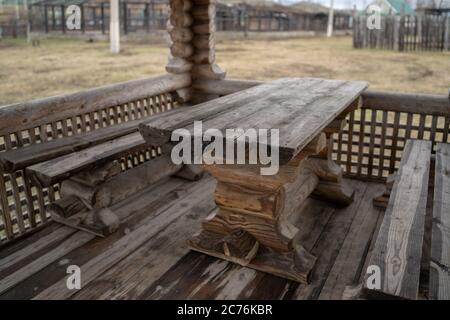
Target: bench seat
[(440, 242), (55, 170), (19, 159), (398, 248)]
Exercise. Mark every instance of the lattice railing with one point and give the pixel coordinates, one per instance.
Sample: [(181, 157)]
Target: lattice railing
[(22, 205), (371, 145)]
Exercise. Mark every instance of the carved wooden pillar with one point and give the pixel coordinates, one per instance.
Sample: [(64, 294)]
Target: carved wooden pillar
[(192, 49), (179, 29)]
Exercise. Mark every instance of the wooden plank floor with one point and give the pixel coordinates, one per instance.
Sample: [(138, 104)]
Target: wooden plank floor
[(148, 257)]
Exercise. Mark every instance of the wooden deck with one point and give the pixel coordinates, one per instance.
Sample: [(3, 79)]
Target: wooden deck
[(148, 257)]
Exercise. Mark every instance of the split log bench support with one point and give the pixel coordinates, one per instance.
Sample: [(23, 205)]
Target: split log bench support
[(91, 181), (86, 197), (398, 248), (251, 224), (440, 243)]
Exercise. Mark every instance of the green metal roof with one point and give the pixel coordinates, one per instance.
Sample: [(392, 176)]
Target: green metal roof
[(398, 4)]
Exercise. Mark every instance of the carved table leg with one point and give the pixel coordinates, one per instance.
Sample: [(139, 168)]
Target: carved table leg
[(250, 226), (331, 186)]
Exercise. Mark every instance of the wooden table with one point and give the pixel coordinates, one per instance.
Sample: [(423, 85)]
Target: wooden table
[(251, 223)]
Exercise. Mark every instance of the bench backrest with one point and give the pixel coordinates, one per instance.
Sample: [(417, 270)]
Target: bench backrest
[(22, 124)]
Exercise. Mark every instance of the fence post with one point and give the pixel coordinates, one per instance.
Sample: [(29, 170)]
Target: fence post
[(46, 18), (63, 19), (147, 17), (114, 26), (102, 13), (447, 34), (83, 26), (125, 18), (396, 33)]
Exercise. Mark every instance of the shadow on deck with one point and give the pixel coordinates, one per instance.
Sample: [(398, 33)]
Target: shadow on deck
[(148, 257)]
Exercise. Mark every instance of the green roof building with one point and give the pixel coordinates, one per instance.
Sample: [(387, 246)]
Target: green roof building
[(389, 7)]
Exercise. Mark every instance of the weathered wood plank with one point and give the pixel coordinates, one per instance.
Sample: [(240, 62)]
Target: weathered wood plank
[(73, 242), (55, 170), (299, 107), (223, 87), (348, 265), (11, 261), (128, 244), (327, 248), (398, 249), (198, 276), (440, 243), (17, 159), (26, 115), (407, 102), (134, 211), (132, 276)]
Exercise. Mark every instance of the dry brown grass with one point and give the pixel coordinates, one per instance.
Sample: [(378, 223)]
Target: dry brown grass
[(61, 66)]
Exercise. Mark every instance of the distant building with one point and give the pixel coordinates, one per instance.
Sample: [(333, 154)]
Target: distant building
[(389, 7)]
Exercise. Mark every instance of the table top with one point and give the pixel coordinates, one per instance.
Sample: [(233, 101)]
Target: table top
[(300, 108)]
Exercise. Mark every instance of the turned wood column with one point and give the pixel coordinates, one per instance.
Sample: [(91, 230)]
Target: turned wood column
[(191, 28)]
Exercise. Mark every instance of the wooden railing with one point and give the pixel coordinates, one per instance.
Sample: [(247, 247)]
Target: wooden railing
[(371, 145), (22, 204)]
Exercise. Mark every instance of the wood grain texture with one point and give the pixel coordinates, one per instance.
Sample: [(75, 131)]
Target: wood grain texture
[(440, 243), (17, 159), (21, 116), (398, 249), (128, 243), (299, 107), (55, 170), (163, 268)]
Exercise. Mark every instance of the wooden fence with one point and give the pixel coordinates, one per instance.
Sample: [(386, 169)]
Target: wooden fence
[(147, 16), (404, 33)]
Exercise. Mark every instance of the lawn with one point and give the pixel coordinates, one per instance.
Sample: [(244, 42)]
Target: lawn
[(62, 66)]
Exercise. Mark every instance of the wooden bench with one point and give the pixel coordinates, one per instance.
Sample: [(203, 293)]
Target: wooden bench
[(34, 132), (440, 242), (398, 248), (18, 159), (251, 225)]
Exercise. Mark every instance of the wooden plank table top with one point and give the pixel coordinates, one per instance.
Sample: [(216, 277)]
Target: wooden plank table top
[(299, 107)]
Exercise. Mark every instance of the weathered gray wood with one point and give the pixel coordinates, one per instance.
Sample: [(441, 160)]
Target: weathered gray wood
[(440, 243), (134, 180), (191, 172), (224, 87), (407, 102), (73, 242), (128, 243), (17, 159), (55, 170), (143, 205), (16, 257), (299, 107), (21, 116), (398, 249)]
